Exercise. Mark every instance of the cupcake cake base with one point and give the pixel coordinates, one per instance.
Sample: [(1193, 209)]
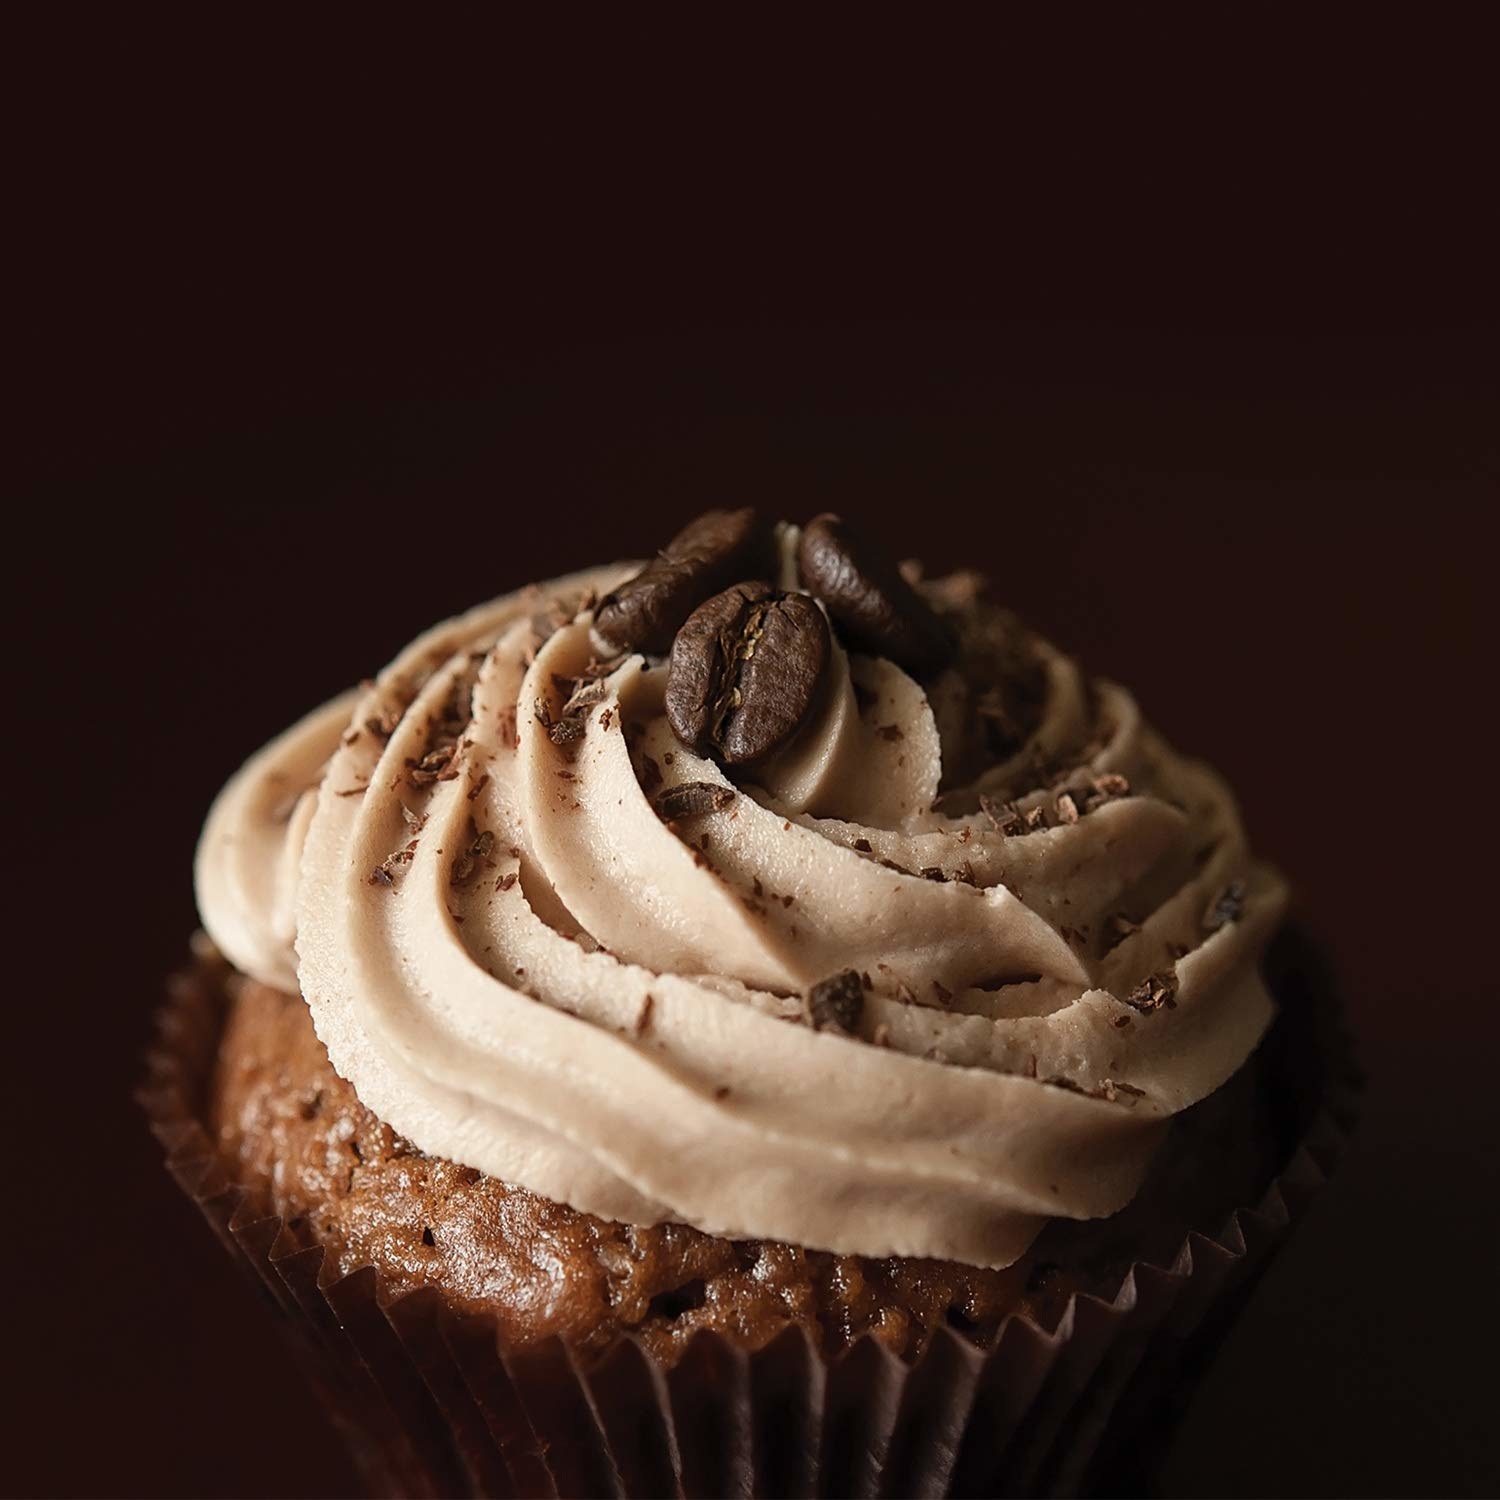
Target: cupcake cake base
[(469, 1337)]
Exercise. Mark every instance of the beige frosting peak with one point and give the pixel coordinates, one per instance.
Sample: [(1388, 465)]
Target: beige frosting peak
[(520, 966)]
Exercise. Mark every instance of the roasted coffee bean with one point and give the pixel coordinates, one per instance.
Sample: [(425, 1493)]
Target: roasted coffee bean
[(875, 609), (745, 671), (706, 556)]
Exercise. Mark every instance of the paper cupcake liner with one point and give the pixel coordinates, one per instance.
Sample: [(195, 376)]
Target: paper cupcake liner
[(431, 1401)]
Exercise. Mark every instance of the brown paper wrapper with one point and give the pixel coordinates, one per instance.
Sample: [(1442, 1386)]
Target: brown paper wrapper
[(432, 1403)]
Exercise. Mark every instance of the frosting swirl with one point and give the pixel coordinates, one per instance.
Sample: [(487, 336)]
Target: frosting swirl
[(521, 966)]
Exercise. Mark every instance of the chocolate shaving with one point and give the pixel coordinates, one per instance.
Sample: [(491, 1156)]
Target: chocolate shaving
[(651, 777), (380, 875), (478, 786), (1228, 906), (435, 765), (596, 668), (507, 880), (863, 845), (836, 1003), (585, 696), (1004, 817), (1156, 992), (1067, 808), (383, 725), (691, 799), (469, 861), (891, 732), (933, 872), (566, 731)]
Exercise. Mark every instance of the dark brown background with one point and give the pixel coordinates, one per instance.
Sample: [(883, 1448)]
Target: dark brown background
[(1222, 419)]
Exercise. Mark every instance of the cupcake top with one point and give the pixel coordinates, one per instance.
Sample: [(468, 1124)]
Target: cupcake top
[(767, 888)]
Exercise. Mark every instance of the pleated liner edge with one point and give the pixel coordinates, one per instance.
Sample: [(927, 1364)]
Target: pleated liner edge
[(432, 1403)]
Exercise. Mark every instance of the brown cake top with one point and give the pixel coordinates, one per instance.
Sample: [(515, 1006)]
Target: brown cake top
[(292, 1132)]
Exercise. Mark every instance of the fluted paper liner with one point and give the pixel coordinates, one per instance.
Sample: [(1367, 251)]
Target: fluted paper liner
[(433, 1403)]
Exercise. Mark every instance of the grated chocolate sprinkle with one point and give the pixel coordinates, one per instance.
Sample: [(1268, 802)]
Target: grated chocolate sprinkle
[(566, 731), (651, 776), (691, 799), (477, 853), (1155, 992), (1004, 817), (836, 1003), (1228, 906)]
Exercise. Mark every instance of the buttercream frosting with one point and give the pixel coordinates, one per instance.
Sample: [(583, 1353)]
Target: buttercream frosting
[(521, 966)]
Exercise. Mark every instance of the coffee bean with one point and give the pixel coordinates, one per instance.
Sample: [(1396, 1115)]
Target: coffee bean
[(876, 610), (745, 671), (704, 557)]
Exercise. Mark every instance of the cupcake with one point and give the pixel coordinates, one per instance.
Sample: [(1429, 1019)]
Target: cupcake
[(761, 1022)]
